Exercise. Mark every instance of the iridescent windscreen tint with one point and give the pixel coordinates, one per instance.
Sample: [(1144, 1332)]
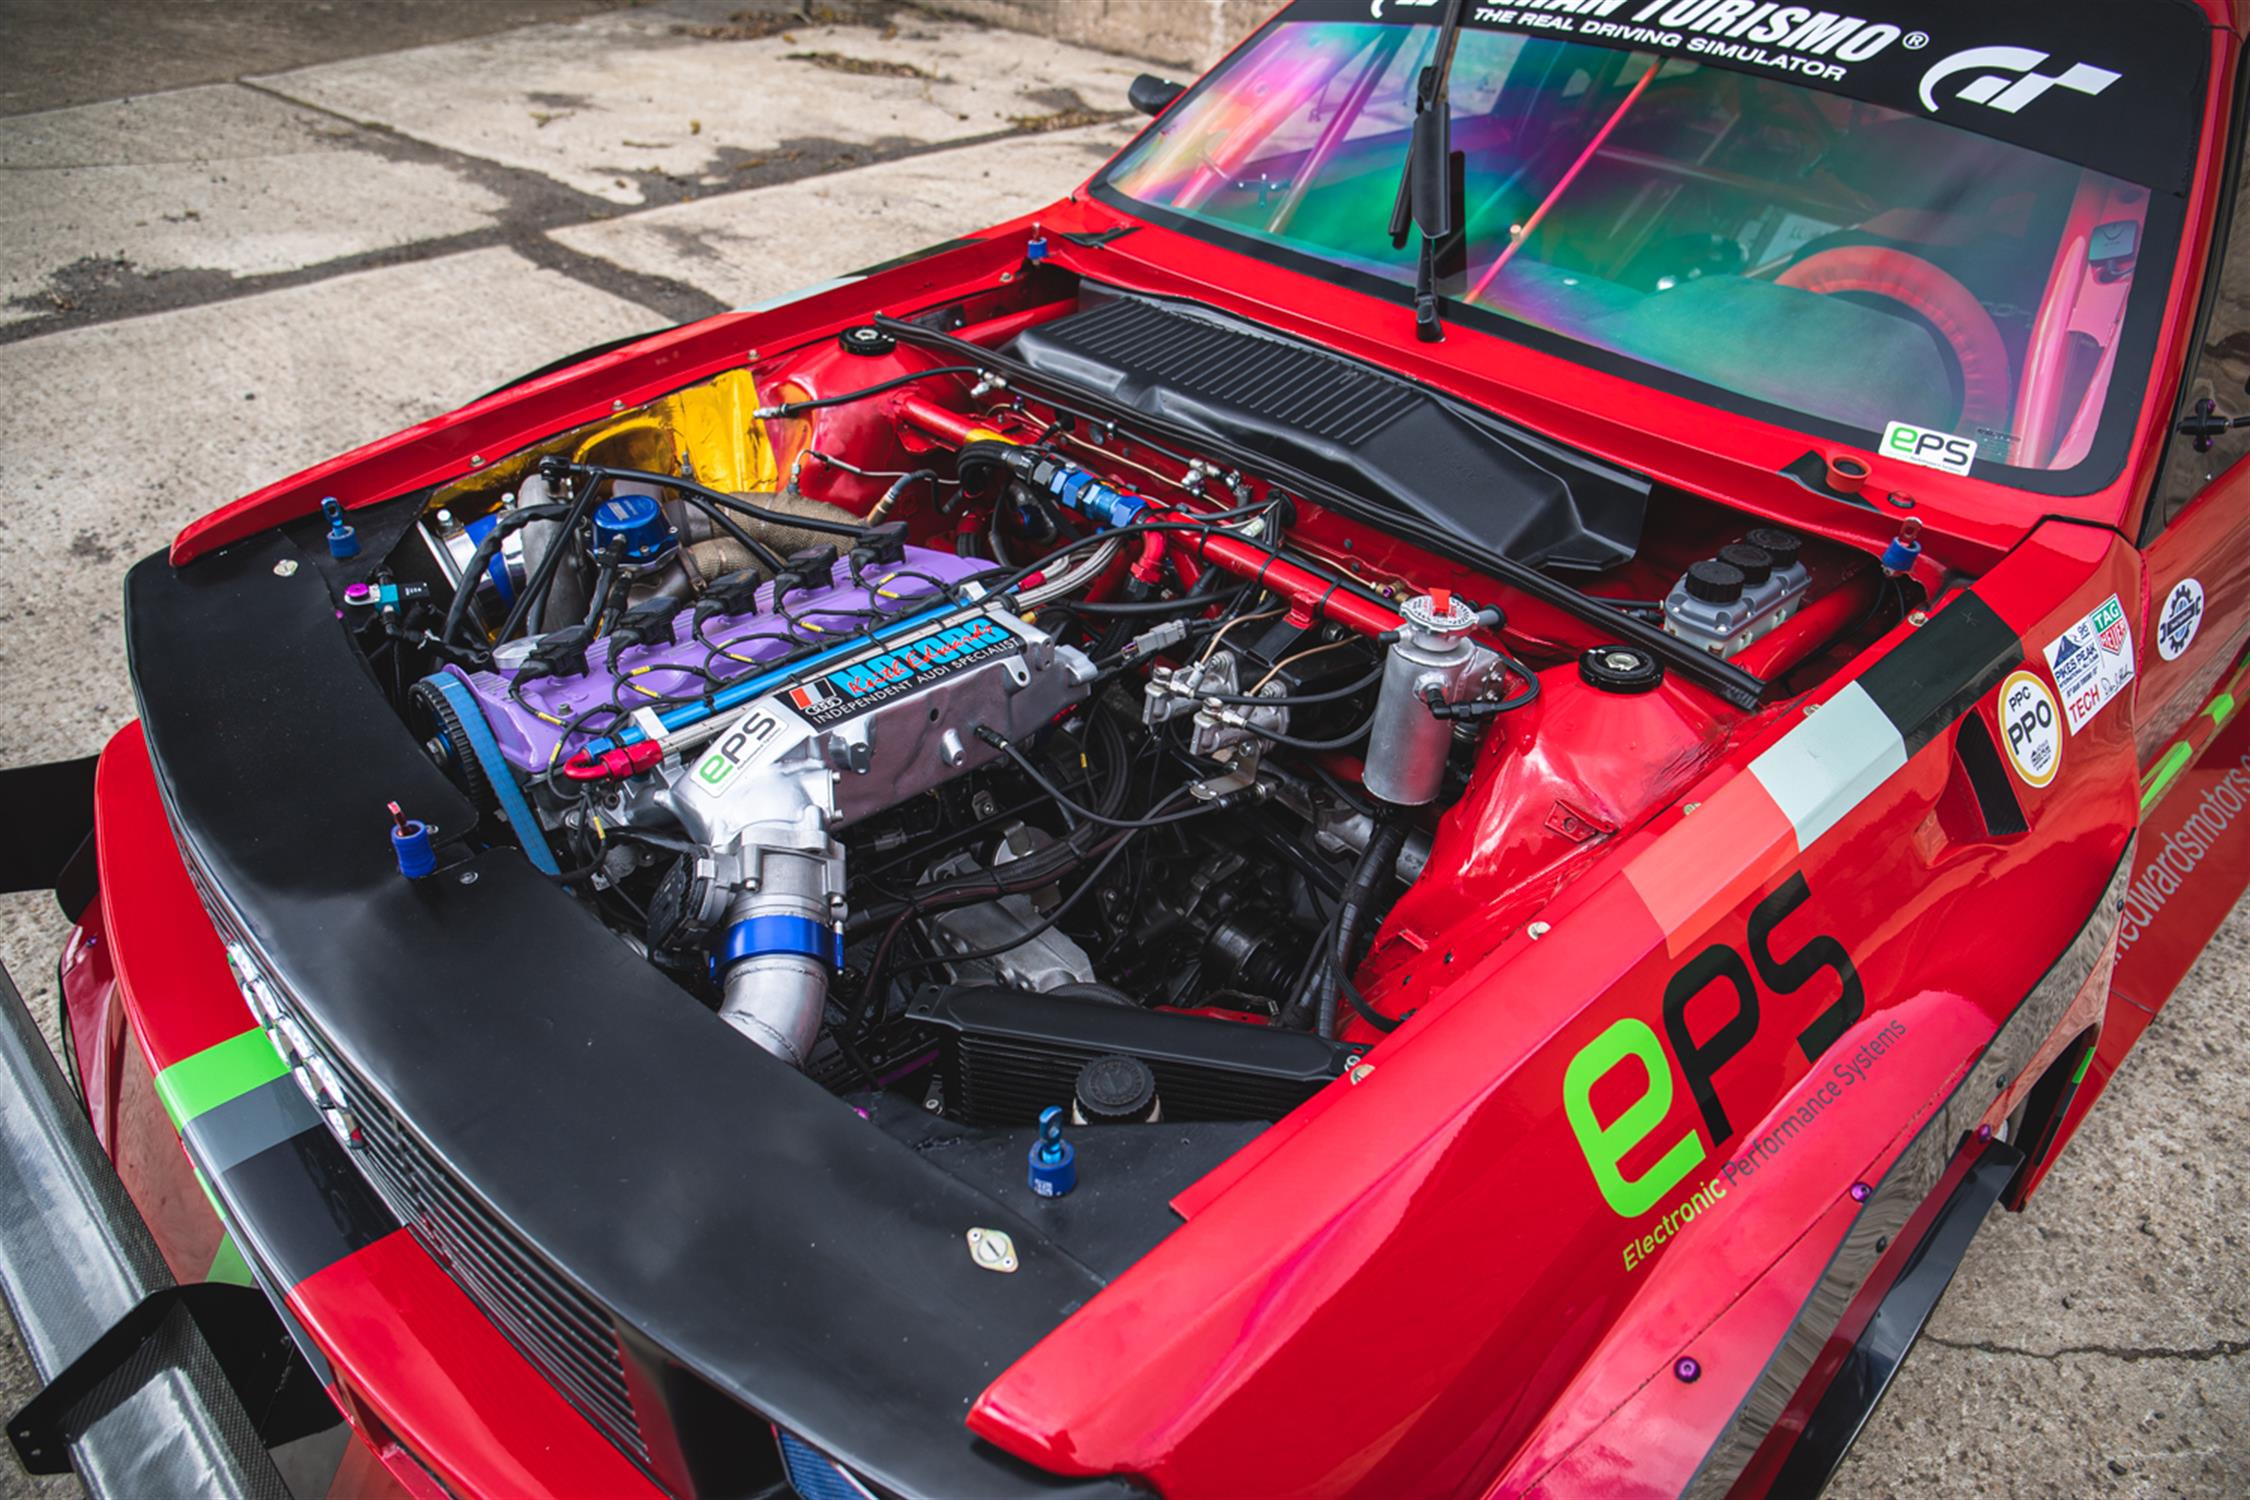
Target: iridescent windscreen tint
[(1829, 259)]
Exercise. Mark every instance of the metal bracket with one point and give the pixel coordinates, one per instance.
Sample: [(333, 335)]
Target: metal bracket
[(277, 1388)]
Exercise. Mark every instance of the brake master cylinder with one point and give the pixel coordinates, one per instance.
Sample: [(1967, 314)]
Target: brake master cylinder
[(1432, 662)]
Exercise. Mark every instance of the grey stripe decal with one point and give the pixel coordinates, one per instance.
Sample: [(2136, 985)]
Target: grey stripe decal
[(247, 1124)]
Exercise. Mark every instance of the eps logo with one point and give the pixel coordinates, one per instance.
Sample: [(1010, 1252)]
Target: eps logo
[(1930, 448), (1698, 1061), (716, 769)]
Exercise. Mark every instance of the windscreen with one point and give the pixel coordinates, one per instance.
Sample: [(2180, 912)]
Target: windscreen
[(1738, 229)]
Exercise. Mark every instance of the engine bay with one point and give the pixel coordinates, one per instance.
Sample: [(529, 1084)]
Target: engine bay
[(1067, 707)]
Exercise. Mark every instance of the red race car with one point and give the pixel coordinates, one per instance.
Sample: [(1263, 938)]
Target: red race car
[(1423, 798)]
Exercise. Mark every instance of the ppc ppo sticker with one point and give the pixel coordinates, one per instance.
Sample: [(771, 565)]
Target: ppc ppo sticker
[(2031, 725), (2181, 618), (2092, 662)]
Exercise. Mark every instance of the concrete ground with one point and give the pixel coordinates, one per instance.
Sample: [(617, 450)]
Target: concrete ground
[(237, 236)]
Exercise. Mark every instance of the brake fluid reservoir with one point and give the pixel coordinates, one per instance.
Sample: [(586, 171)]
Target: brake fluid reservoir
[(1407, 749)]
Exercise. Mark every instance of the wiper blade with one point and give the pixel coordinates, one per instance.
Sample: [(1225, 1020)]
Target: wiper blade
[(1430, 185)]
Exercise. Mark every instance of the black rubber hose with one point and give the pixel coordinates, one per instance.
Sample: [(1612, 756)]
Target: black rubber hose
[(1376, 862), (482, 559), (710, 498), (791, 408), (535, 587)]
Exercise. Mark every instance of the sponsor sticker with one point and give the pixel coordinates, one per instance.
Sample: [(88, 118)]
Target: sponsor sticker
[(2032, 727), (736, 745), (2092, 662), (872, 681), (1929, 447), (2179, 620)]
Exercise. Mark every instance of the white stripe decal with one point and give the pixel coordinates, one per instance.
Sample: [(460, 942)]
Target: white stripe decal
[(1830, 763)]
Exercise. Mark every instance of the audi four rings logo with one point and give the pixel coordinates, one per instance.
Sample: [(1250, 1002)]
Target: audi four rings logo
[(2014, 85)]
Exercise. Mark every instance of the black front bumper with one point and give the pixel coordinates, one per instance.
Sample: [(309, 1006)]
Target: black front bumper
[(76, 1263)]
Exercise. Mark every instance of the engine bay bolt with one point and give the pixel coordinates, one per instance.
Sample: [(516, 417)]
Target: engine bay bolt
[(1918, 619), (343, 540), (1861, 1192), (1054, 1161), (1539, 930), (1361, 1072), (1688, 1368), (476, 460), (286, 568), (1984, 1132)]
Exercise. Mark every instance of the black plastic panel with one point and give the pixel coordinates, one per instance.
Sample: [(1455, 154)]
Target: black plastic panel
[(1351, 424), (1010, 1053)]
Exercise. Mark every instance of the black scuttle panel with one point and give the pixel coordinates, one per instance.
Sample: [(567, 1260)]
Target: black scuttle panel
[(1351, 424)]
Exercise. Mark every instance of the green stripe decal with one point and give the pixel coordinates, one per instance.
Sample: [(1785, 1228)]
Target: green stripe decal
[(229, 1266), (2083, 1064), (216, 1074), (2222, 708), (2167, 771)]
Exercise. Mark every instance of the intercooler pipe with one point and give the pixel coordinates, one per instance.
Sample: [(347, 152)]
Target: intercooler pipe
[(779, 953)]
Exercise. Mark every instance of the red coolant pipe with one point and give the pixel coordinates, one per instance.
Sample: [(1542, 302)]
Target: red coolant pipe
[(1310, 591)]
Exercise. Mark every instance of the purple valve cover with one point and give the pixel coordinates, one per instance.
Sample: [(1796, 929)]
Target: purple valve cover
[(732, 647)]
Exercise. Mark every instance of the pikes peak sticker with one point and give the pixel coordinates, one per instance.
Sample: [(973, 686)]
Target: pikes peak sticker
[(2092, 662)]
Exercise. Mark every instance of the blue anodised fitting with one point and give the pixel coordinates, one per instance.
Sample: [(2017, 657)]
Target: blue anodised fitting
[(1054, 1161), (410, 842), (343, 541), (1036, 250), (753, 937), (633, 526), (1075, 489), (1904, 551)]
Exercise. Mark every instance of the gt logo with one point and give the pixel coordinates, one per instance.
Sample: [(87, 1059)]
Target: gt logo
[(1606, 1146), (2006, 94), (1929, 448)]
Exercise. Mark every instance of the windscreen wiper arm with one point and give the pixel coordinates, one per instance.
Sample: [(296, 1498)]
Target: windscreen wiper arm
[(1429, 185)]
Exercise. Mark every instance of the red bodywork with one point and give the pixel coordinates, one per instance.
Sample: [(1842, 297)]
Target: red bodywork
[(1413, 1284)]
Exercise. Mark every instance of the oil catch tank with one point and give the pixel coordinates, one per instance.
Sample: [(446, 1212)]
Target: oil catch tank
[(1431, 660)]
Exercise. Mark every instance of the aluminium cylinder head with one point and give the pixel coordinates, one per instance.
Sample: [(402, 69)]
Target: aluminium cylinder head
[(1408, 745)]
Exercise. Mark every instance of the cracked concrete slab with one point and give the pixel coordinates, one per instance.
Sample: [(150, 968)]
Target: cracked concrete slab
[(751, 245), (199, 188), (2099, 1342), (640, 106), (121, 434), (63, 52)]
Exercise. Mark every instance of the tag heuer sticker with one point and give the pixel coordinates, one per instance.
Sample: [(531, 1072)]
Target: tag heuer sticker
[(2031, 727), (2180, 619), (1929, 447), (2092, 662)]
